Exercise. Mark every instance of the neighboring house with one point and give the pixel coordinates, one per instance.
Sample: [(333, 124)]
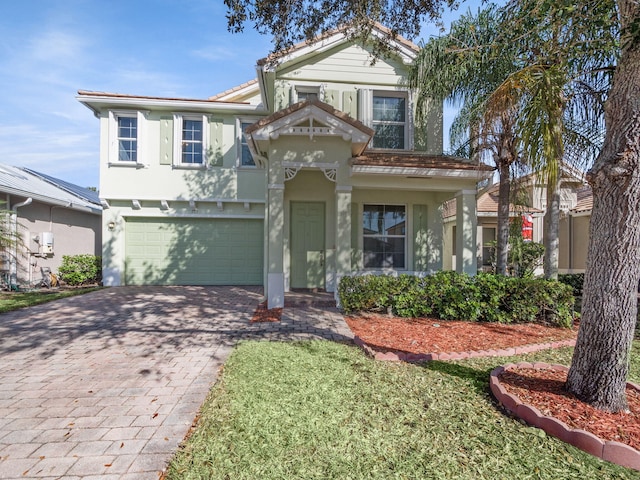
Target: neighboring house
[(530, 207), (52, 218), (574, 233), (313, 171)]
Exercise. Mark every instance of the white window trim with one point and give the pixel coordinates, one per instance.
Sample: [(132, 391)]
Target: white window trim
[(406, 236), (408, 140), (239, 133), (177, 140), (113, 150), (317, 89)]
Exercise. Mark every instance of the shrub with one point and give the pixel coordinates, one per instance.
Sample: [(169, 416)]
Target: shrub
[(81, 269), (574, 280), (453, 296)]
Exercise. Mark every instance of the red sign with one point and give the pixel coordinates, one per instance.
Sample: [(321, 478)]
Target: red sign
[(527, 228)]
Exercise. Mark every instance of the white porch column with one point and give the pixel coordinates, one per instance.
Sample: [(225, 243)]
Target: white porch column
[(343, 233), (275, 242), (466, 221)]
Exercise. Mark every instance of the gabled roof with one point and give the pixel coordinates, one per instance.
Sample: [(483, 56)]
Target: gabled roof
[(406, 49), (23, 182), (322, 119)]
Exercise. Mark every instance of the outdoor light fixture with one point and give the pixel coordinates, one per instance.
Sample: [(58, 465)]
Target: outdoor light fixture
[(111, 226)]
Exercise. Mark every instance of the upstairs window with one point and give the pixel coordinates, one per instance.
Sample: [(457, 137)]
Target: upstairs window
[(191, 133), (127, 139), (192, 141), (389, 120), (307, 93), (245, 158), (384, 231)]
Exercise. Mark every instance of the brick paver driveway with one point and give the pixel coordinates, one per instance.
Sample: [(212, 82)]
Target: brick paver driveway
[(105, 385)]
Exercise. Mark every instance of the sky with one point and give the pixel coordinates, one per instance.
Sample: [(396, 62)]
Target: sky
[(50, 49)]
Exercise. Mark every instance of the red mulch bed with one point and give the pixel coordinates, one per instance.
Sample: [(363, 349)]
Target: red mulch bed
[(544, 390), (428, 335), (264, 314)]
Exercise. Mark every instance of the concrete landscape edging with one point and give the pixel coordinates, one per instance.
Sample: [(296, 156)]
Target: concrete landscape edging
[(611, 451)]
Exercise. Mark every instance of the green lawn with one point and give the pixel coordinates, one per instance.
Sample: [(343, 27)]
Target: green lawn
[(15, 300), (321, 410)]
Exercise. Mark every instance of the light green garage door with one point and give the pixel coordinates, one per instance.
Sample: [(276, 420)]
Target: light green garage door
[(193, 251)]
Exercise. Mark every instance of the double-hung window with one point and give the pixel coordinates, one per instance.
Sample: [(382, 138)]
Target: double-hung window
[(192, 141), (384, 230), (244, 155), (389, 120), (304, 93), (191, 133), (126, 139)]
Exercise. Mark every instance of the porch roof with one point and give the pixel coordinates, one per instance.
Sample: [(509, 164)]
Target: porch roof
[(418, 164), (418, 160)]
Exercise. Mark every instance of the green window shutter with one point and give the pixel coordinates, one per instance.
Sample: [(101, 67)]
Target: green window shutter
[(420, 238), (332, 97), (282, 96), (214, 151), (166, 140), (350, 103)]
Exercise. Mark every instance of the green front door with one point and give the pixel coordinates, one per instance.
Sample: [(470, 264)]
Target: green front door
[(307, 245)]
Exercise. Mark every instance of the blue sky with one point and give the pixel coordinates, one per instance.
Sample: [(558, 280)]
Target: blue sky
[(50, 49)]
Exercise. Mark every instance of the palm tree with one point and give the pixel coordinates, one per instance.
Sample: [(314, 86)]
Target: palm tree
[(464, 69), (531, 100)]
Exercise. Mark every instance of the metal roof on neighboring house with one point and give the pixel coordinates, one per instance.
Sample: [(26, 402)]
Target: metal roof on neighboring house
[(44, 188)]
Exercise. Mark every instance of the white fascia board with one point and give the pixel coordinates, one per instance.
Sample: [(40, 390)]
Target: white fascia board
[(96, 210), (407, 54), (189, 105), (420, 172), (243, 91)]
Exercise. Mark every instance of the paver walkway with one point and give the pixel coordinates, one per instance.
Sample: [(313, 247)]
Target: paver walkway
[(106, 385)]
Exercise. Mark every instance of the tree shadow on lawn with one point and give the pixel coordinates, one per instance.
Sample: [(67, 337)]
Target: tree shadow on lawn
[(478, 378)]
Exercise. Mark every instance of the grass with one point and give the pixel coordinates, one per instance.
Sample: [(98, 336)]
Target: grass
[(15, 300), (320, 410)]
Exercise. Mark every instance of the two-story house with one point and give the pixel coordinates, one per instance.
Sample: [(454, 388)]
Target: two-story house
[(312, 171)]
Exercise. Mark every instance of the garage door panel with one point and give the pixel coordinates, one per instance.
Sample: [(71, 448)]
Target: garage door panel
[(194, 252)]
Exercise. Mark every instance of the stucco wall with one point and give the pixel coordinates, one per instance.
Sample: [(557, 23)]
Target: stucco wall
[(74, 233)]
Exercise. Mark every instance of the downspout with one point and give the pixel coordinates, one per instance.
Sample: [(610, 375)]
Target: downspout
[(13, 272)]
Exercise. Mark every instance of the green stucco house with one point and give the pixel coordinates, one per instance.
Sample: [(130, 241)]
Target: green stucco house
[(312, 171)]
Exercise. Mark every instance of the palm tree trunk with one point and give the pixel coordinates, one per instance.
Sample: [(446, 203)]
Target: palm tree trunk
[(551, 231), (601, 358), (504, 196)]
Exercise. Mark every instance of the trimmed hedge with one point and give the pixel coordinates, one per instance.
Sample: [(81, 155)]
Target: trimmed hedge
[(574, 280), (81, 269), (453, 296)]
